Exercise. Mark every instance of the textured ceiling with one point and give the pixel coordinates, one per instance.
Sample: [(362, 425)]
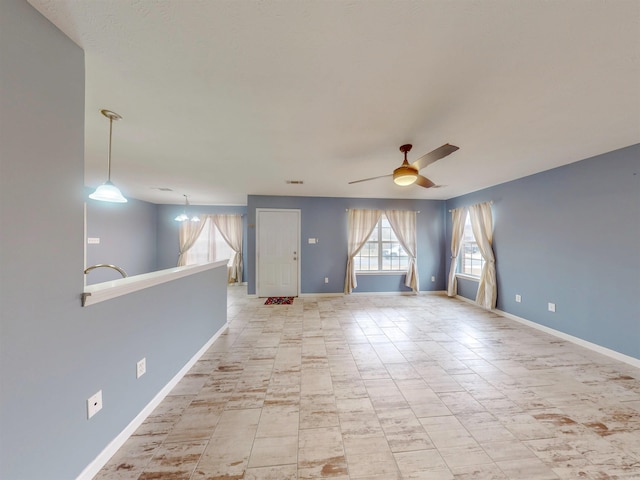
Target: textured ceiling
[(221, 99)]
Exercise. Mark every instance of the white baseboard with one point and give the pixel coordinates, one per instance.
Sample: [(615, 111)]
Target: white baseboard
[(331, 294), (384, 293), (101, 460), (634, 362)]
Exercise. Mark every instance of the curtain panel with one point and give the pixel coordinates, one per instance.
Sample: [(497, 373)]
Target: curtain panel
[(458, 217), (403, 224), (482, 225), (188, 234), (230, 227), (360, 225)]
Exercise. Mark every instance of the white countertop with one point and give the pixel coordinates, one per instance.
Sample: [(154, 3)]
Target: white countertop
[(116, 288)]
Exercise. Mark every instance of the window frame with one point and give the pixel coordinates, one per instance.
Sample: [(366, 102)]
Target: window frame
[(460, 263), (380, 242)]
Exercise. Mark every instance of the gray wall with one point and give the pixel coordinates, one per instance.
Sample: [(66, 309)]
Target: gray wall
[(167, 230), (570, 236), (326, 219), (127, 233), (54, 354)]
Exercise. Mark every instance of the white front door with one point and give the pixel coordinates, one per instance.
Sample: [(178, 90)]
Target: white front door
[(277, 251)]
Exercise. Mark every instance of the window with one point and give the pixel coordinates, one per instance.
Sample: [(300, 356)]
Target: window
[(382, 252), (209, 247), (470, 259)]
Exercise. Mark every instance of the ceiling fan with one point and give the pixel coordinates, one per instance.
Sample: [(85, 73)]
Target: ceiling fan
[(407, 174)]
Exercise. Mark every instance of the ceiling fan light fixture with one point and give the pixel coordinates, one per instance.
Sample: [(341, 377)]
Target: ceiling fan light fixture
[(404, 176)]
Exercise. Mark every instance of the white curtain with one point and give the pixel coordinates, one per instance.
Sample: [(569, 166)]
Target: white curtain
[(482, 225), (360, 225), (230, 227), (403, 224), (189, 233), (458, 217)]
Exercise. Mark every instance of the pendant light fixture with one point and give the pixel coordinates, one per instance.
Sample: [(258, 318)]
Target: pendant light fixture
[(183, 217), (108, 192)]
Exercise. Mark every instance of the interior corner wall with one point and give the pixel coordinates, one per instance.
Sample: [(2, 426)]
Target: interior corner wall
[(569, 236), (326, 219), (168, 243), (55, 354), (127, 233), (41, 219)]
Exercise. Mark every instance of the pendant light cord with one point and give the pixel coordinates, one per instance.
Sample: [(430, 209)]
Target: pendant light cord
[(109, 155)]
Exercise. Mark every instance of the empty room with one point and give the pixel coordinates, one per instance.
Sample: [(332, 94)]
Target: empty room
[(301, 239)]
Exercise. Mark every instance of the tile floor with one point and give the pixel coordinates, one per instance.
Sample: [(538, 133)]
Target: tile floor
[(388, 387)]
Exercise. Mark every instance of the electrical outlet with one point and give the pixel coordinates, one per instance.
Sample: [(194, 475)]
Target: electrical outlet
[(141, 367), (326, 279), (518, 298), (94, 404), (433, 278), (552, 307)]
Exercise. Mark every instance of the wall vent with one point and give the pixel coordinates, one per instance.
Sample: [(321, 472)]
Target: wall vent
[(295, 182)]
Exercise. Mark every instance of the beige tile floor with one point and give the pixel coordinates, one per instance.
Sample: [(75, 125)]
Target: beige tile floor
[(388, 387)]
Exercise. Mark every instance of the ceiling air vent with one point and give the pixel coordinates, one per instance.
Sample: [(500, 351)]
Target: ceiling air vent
[(162, 189), (295, 182)]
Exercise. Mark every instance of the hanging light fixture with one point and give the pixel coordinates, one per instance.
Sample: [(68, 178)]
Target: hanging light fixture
[(405, 174), (108, 192), (183, 217)]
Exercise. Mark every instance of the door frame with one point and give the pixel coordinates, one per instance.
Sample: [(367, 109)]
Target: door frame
[(299, 233)]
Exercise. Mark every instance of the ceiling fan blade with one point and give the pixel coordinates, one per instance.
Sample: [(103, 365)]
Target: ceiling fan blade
[(372, 178), (434, 155), (424, 182)]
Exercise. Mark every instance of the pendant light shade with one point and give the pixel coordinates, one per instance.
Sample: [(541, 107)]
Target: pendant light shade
[(108, 192)]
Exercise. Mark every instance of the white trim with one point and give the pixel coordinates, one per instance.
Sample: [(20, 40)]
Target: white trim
[(101, 460), (634, 362), (468, 300), (116, 288), (408, 293), (331, 294)]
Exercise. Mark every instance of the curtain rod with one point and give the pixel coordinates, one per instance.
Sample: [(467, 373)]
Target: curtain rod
[(347, 209), (489, 202)]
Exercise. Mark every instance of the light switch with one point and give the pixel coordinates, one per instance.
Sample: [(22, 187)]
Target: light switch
[(93, 240), (313, 241)]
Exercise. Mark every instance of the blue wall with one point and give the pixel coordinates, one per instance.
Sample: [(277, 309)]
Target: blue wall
[(168, 245), (326, 219), (570, 236), (127, 233), (55, 354)]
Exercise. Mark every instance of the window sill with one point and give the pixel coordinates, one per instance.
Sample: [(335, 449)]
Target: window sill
[(467, 277), (396, 272)]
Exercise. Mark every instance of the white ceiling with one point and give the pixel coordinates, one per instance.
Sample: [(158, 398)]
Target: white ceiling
[(221, 99)]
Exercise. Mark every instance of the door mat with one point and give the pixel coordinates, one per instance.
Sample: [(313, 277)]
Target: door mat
[(279, 301)]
